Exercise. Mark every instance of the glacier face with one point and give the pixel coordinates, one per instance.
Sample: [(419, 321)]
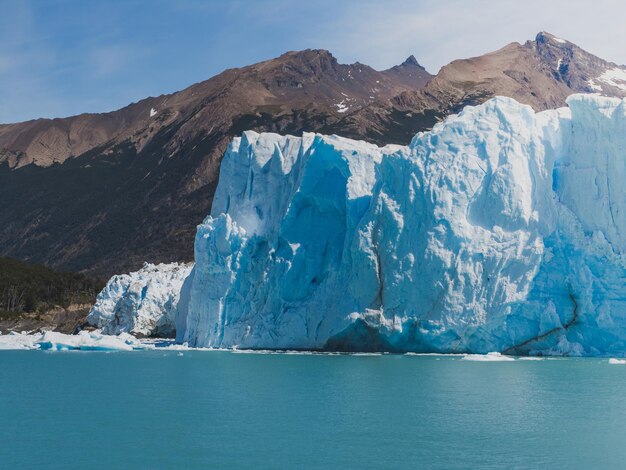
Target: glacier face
[(500, 230), (144, 302)]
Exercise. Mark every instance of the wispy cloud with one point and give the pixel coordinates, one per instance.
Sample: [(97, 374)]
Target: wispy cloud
[(108, 60), (7, 64)]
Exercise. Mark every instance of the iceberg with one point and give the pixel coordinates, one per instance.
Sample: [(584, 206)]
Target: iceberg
[(489, 357), (501, 230), (617, 361), (142, 303)]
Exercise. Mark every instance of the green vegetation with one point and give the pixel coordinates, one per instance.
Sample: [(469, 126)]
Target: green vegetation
[(34, 288)]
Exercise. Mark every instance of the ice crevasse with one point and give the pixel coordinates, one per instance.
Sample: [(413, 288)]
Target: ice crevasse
[(501, 229)]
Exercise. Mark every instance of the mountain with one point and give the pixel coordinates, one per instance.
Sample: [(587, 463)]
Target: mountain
[(308, 83), (499, 230), (541, 73), (102, 193), (410, 72)]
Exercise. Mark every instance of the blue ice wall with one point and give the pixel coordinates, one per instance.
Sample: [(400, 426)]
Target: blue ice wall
[(502, 229)]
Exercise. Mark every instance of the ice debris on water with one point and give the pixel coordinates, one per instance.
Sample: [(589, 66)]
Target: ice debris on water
[(83, 341)]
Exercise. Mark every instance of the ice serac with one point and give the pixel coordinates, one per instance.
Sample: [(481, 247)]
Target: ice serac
[(502, 229), (144, 302)]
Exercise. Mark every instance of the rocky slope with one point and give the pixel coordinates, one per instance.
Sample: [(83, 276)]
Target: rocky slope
[(68, 320), (36, 297), (105, 192)]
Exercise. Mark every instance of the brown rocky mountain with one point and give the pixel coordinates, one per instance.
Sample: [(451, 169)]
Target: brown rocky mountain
[(104, 192), (308, 82), (541, 73)]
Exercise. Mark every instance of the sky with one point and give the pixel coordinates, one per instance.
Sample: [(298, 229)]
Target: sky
[(64, 57)]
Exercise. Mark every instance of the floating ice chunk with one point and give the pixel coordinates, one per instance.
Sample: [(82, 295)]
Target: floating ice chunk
[(489, 357), (617, 361), (84, 341), (88, 341), (15, 340)]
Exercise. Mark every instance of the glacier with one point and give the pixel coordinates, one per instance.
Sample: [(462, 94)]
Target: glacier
[(144, 302), (501, 229)]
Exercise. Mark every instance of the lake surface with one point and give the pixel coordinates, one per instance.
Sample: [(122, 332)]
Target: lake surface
[(160, 409)]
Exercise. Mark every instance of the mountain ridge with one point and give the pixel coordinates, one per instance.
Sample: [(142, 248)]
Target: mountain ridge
[(55, 140)]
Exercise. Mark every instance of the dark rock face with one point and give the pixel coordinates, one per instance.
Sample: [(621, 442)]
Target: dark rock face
[(103, 193)]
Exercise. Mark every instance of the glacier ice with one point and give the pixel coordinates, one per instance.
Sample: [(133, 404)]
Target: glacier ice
[(144, 302), (502, 229)]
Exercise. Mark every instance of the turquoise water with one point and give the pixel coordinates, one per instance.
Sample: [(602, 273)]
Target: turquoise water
[(222, 410)]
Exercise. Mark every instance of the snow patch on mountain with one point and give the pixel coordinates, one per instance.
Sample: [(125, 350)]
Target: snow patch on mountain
[(594, 86), (614, 77)]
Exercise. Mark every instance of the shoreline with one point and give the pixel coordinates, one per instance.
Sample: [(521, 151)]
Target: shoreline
[(94, 341)]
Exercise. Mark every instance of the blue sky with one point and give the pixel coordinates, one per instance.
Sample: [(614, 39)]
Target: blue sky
[(64, 57)]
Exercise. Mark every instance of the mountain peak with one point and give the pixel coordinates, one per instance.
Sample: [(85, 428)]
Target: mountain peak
[(544, 37), (411, 60), (410, 72), (309, 53), (306, 56)]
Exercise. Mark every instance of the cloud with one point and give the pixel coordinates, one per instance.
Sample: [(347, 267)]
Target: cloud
[(105, 61), (6, 64)]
